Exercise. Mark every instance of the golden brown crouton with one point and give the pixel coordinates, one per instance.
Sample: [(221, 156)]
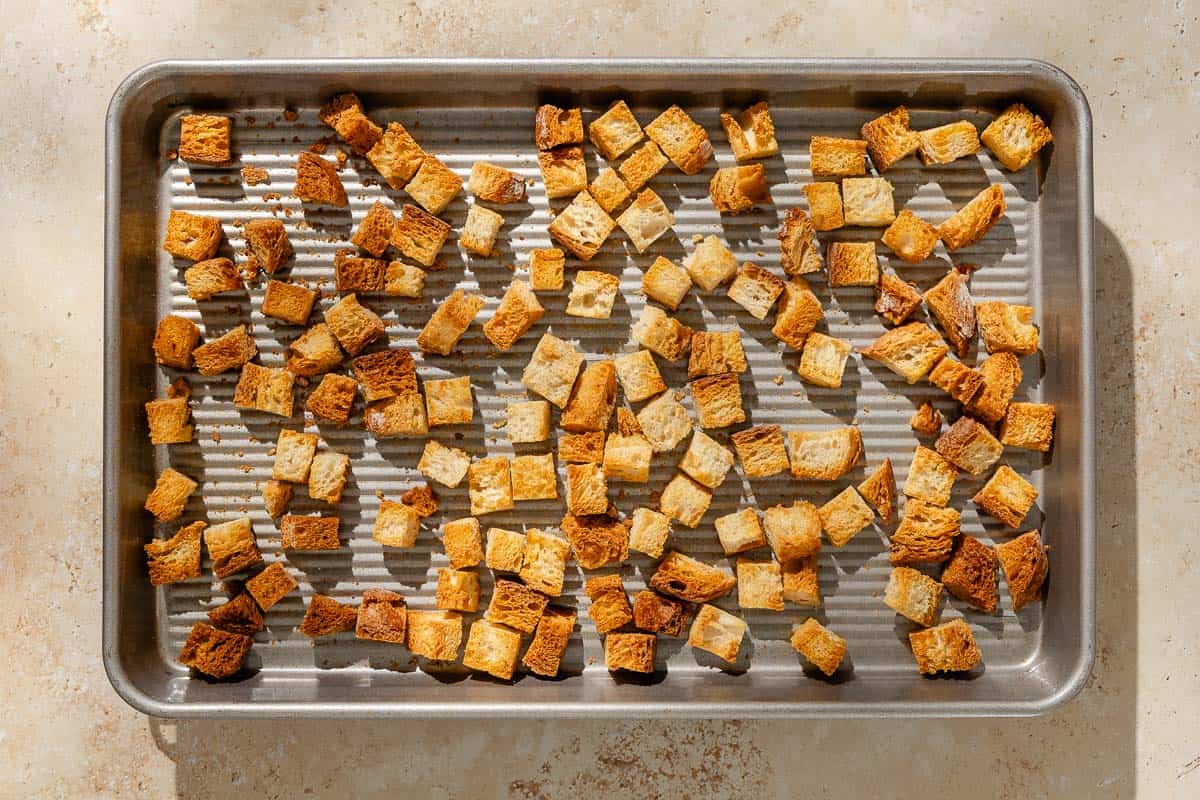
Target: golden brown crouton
[(925, 535), (755, 289), (315, 351), (449, 322), (353, 274), (528, 421), (175, 559), (271, 585), (913, 595), (910, 350), (751, 133), (644, 163), (1015, 136), (564, 172), (889, 138), (327, 477), (970, 574), (516, 606), (545, 652), (479, 232), (609, 608), (926, 419), (457, 590), (718, 400), (1007, 328), (657, 614), (419, 235), (949, 647), (449, 401), (192, 236), (326, 616), (232, 547), (214, 276), (718, 632), (956, 379), (490, 485), (844, 516), (354, 325), (615, 131), (879, 489), (824, 455), (267, 245), (214, 652), (204, 139), (823, 648), (288, 302), (665, 335), (587, 490), (685, 142), (435, 635), (969, 446), (494, 184), (649, 531), (403, 280), (837, 158), (276, 497), (333, 398), (434, 185), (174, 340), (710, 264), (264, 389), (853, 264), (169, 496), (706, 461), (945, 143), (552, 369), (971, 222), (716, 352), (930, 478), (666, 283), (382, 617), (597, 539), (226, 352), (801, 583), (761, 450), (544, 564), (1028, 425), (737, 189), (911, 237), (505, 550), (345, 115), (687, 579), (1001, 375), (609, 190), (396, 156), (308, 533), (823, 360), (825, 207), (760, 584), (168, 421), (794, 531), (1024, 562), (386, 373), (797, 314), (1006, 496), (952, 306), (640, 378), (317, 181), (239, 615), (895, 299), (463, 542), (593, 294), (294, 451), (582, 226), (868, 202), (546, 269), (630, 651), (553, 126), (581, 448), (646, 219), (375, 231), (591, 404)]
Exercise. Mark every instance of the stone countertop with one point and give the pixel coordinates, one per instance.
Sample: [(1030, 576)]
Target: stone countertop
[(65, 732)]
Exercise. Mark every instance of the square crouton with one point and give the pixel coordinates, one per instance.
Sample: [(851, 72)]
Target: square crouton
[(226, 352), (930, 477), (552, 369), (294, 453), (587, 490), (382, 617), (581, 448), (593, 294), (615, 131), (969, 446), (751, 133), (545, 652), (895, 299), (421, 499), (516, 606), (457, 590), (528, 421), (1029, 426), (755, 289), (879, 489), (761, 450), (435, 635), (868, 202), (267, 245), (666, 283), (593, 399), (1007, 328), (687, 579), (952, 306), (396, 156), (327, 476), (264, 389), (192, 236), (344, 113), (925, 535), (534, 477), (715, 353), (646, 219), (685, 500), (449, 322), (824, 360), (710, 264), (446, 465), (277, 495), (644, 163), (853, 264), (449, 401), (239, 615), (665, 422), (553, 126), (403, 280), (564, 171), (970, 574), (168, 421), (434, 185), (211, 277), (972, 222), (957, 380), (683, 140), (798, 250), (913, 595), (1001, 376), (479, 232), (314, 351), (797, 314), (824, 455), (545, 562), (844, 516), (718, 632), (910, 351), (463, 542), (706, 461), (308, 533), (492, 649), (396, 524), (582, 226), (175, 339), (375, 231), (823, 648), (490, 485), (317, 181), (1024, 562), (837, 158), (825, 206), (910, 237), (737, 189), (354, 325), (326, 616), (1016, 136), (648, 533), (175, 559), (627, 457), (760, 584), (718, 400), (386, 373), (889, 139), (949, 647), (633, 652), (419, 235), (546, 270), (793, 531), (204, 139), (214, 652), (1006, 496), (664, 335), (946, 143), (170, 494), (609, 608), (402, 415), (640, 378), (657, 614), (597, 539), (271, 585), (926, 419), (609, 190), (801, 581), (288, 302), (231, 547), (494, 184)]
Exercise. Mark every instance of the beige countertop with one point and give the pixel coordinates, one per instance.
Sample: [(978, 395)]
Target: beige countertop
[(63, 731)]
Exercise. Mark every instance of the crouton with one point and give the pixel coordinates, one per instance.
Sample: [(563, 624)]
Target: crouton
[(587, 491), (946, 143), (494, 184), (400, 415), (271, 585), (546, 270), (457, 590), (642, 165), (581, 448), (534, 477), (955, 379), (597, 539), (910, 351), (1007, 328), (352, 274), (435, 635), (718, 632), (649, 531), (386, 373), (837, 158), (211, 277), (490, 485), (824, 360), (327, 477), (823, 648), (609, 190), (375, 231), (192, 236), (421, 499), (949, 647), (175, 339), (824, 455), (288, 302), (239, 615), (582, 226), (214, 652), (449, 322), (969, 446), (1029, 426), (685, 578), (706, 461), (326, 616), (1015, 136), (315, 351), (545, 562), (231, 547), (760, 584), (345, 115), (204, 139), (718, 400), (553, 126), (797, 314), (177, 558), (564, 172), (449, 401), (970, 574), (170, 494), (264, 389), (609, 608), (478, 234), (294, 453), (545, 652), (505, 550), (793, 531), (382, 617), (516, 606), (354, 325), (528, 421), (463, 542), (1001, 375), (715, 353), (913, 595), (910, 237), (615, 131), (952, 306), (930, 478), (308, 533), (666, 283), (844, 516), (710, 264), (646, 219), (737, 189), (276, 497), (168, 421), (396, 156), (853, 264), (630, 651), (640, 378), (434, 185), (446, 465), (801, 584), (657, 614), (267, 245), (419, 235), (868, 202), (925, 535), (879, 489), (552, 369), (761, 450), (1024, 562), (889, 138), (685, 142), (826, 213), (317, 181), (755, 289), (751, 133), (926, 420), (665, 335), (593, 294), (665, 422), (627, 457), (895, 299), (971, 222)]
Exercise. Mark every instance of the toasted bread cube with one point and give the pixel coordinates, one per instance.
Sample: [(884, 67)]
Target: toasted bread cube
[(895, 299), (910, 351), (435, 635), (1001, 375), (1006, 496), (553, 126), (718, 632), (288, 302), (913, 595), (1025, 565), (396, 524), (665, 422), (715, 353), (192, 236), (528, 421), (457, 590), (853, 264), (402, 415), (419, 235), (593, 294), (685, 142), (263, 389), (308, 533), (959, 381), (317, 181), (545, 562), (490, 485), (382, 617), (449, 322), (168, 420), (505, 550), (925, 535), (646, 219), (169, 496), (740, 531), (951, 303), (177, 558), (609, 190), (645, 162), (494, 184), (597, 539), (926, 419), (823, 648), (688, 579), (824, 455), (649, 532), (657, 614), (971, 222), (798, 251), (824, 360), (970, 574), (639, 375), (1029, 426), (609, 608), (801, 584), (1015, 136), (534, 477), (564, 172), (587, 490), (946, 143), (930, 478), (403, 280), (889, 138), (615, 131), (204, 139), (630, 651), (354, 325), (755, 289), (434, 185), (267, 245), (546, 270), (1007, 328), (737, 189), (271, 585), (516, 606), (446, 465), (345, 115), (327, 477), (969, 446), (582, 226), (664, 335), (844, 516), (911, 237), (797, 314), (294, 453), (231, 547), (627, 457), (396, 156), (545, 652), (718, 400), (868, 202), (386, 373), (314, 352), (710, 264), (449, 401), (825, 208), (463, 542), (666, 283), (214, 652), (761, 450), (685, 500), (793, 531), (421, 499), (949, 647), (751, 133), (174, 341), (552, 369), (479, 232), (837, 158), (705, 460), (581, 448), (211, 277), (492, 648), (880, 490), (375, 231)]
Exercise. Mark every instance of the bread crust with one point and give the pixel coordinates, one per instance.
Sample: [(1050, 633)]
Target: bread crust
[(333, 399), (926, 419), (421, 499), (516, 606), (354, 274), (853, 264), (214, 652), (354, 325), (823, 648), (308, 533), (755, 289), (1001, 376), (581, 448), (910, 350), (382, 617), (168, 421), (375, 231), (969, 446), (895, 299), (879, 489), (326, 616), (760, 584), (1025, 566), (1016, 136), (170, 494), (925, 535), (587, 490), (264, 389), (1029, 426), (972, 222), (177, 558), (685, 578), (317, 181), (716, 353), (970, 574), (949, 647), (434, 185), (761, 450), (463, 542), (801, 584), (267, 245), (419, 235), (549, 644)]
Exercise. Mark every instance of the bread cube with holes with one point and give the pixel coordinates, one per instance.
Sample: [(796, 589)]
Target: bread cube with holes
[(1016, 136), (823, 360), (587, 490), (317, 181), (684, 141), (534, 477), (823, 648), (386, 373), (597, 539), (657, 614), (833, 157), (824, 455), (175, 340), (354, 325), (755, 289), (970, 574), (649, 531), (666, 283), (582, 226), (688, 579), (402, 415), (267, 245), (642, 165), (554, 126), (463, 542), (1006, 496), (177, 558), (947, 143), (685, 500), (545, 562), (294, 451), (615, 131), (546, 270), (419, 235), (232, 547), (801, 581), (271, 585), (593, 399), (665, 422), (528, 421), (751, 133), (666, 336), (288, 302), (913, 595), (327, 476), (969, 446), (516, 606), (446, 465), (505, 550), (609, 190), (396, 156), (226, 352), (930, 477), (716, 353), (910, 351), (298, 532), (479, 232), (1025, 566), (344, 113), (495, 184), (593, 294), (717, 632), (761, 450), (868, 202), (718, 400), (646, 219), (170, 494), (315, 351), (740, 531), (889, 138), (519, 310), (421, 499), (633, 652), (382, 617), (706, 461), (449, 401), (925, 535), (797, 314), (910, 237), (793, 531), (734, 190), (1001, 376), (710, 264), (449, 322), (277, 495), (375, 231), (213, 276), (490, 485), (1029, 426), (825, 210), (564, 171), (492, 648), (434, 185), (396, 524), (609, 608), (457, 590), (949, 647), (956, 379), (435, 635), (204, 139), (879, 489), (263, 389), (844, 516), (639, 375), (545, 652), (1007, 328), (581, 448), (552, 369), (214, 652), (192, 236), (972, 222), (168, 421)]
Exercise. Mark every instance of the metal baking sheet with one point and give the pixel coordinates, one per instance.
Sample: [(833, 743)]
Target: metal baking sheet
[(1040, 255)]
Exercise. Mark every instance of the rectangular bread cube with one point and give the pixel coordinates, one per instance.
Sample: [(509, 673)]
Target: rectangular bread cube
[(170, 494), (718, 632), (760, 584), (581, 448), (832, 157), (402, 415), (761, 450), (925, 535), (267, 245), (868, 202), (386, 373), (911, 237), (972, 222), (545, 652), (648, 532), (554, 126), (449, 322), (446, 465), (175, 339), (755, 289), (353, 274), (516, 606), (633, 652), (949, 647), (952, 306), (685, 500), (825, 206), (1015, 136), (396, 156), (797, 314), (705, 460), (853, 264), (587, 490), (684, 141), (495, 184), (168, 421), (457, 590), (879, 489), (344, 113), (716, 353), (528, 421), (1006, 496), (213, 276), (546, 270), (664, 335), (564, 172), (665, 422), (490, 485), (534, 477), (610, 607), (913, 595), (582, 226), (404, 280), (737, 189), (824, 455), (627, 457), (354, 325), (844, 516), (382, 617), (910, 351), (505, 550), (751, 133), (1001, 376), (657, 614), (288, 302), (326, 616), (434, 185), (710, 264), (177, 558), (204, 139), (930, 477), (308, 533), (374, 233), (271, 585), (317, 181), (214, 652), (889, 138), (479, 232), (1029, 426), (718, 400), (545, 562), (449, 401), (642, 165), (969, 446), (823, 648), (315, 351), (686, 578), (192, 236), (232, 547), (970, 574), (597, 539), (435, 635), (1025, 565), (396, 524), (666, 282), (419, 235), (639, 375), (492, 648), (801, 584), (946, 143), (645, 220), (895, 299), (794, 531), (1006, 328), (552, 369), (823, 360), (609, 190), (615, 131), (593, 294), (463, 542), (294, 451)]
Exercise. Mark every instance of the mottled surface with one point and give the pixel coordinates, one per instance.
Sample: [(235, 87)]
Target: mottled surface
[(1133, 730)]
